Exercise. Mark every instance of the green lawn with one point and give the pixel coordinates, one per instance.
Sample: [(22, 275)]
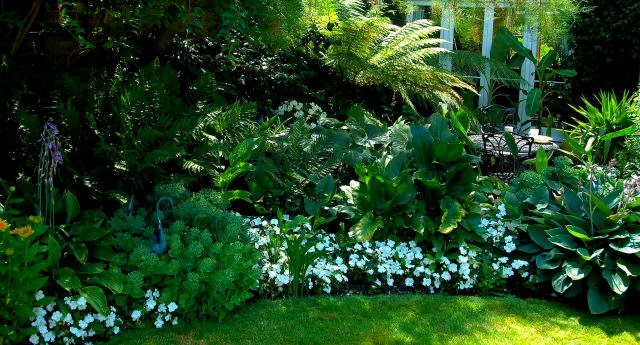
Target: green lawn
[(406, 319)]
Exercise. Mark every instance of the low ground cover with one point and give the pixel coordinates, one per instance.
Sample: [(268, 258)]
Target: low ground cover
[(407, 319)]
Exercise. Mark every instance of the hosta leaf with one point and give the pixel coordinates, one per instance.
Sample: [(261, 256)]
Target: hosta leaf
[(67, 279), (561, 282), (366, 227), (564, 241), (544, 263), (584, 253), (597, 303), (628, 246), (576, 270), (618, 280), (96, 298), (538, 236), (578, 232), (72, 206), (632, 270), (54, 250)]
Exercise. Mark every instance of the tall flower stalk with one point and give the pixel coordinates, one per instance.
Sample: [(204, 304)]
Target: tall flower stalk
[(50, 158)]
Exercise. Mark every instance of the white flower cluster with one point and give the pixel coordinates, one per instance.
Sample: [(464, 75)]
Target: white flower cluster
[(269, 240), (502, 236), (383, 263), (497, 232), (78, 326), (404, 264), (160, 312), (301, 110)]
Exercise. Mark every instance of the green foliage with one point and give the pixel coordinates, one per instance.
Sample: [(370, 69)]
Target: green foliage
[(583, 238), (544, 68), (422, 182), (23, 260), (371, 51), (143, 128), (209, 267), (602, 129), (604, 61)]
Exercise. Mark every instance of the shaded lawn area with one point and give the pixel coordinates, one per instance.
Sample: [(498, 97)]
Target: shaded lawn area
[(407, 319)]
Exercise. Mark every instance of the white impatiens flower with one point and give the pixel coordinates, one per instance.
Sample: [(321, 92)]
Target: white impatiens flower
[(408, 282), (39, 295), (34, 339), (172, 307), (158, 323), (150, 304), (135, 315), (116, 330)]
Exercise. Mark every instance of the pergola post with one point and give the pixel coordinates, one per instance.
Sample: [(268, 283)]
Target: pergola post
[(528, 72), (448, 23), (487, 41)]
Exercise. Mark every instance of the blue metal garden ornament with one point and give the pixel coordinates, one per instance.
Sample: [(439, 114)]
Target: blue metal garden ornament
[(159, 241)]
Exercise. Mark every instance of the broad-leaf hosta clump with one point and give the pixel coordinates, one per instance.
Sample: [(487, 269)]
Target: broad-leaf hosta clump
[(421, 184), (585, 239), (209, 266)]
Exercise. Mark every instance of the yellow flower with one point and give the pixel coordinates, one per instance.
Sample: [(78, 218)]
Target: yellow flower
[(35, 219), (3, 225), (23, 232)]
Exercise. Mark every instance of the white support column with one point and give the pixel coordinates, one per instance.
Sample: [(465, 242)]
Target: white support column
[(416, 13), (487, 41), (528, 73), (448, 23)]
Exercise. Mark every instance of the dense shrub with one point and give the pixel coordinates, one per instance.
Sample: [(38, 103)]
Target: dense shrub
[(208, 268)]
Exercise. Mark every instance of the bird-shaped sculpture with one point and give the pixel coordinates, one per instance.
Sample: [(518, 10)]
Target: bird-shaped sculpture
[(159, 241)]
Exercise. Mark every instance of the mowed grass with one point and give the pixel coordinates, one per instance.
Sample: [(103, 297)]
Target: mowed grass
[(407, 319)]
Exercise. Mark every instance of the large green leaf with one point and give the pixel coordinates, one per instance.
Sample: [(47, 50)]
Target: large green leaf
[(509, 39), (453, 214), (585, 255), (96, 298), (598, 304), (88, 233), (578, 232), (542, 160), (110, 280), (80, 252), (630, 245), (632, 270), (72, 206), (67, 279), (621, 133), (366, 227), (576, 270), (561, 282), (567, 72), (54, 250), (448, 152), (243, 151), (547, 61), (423, 147), (543, 262), (534, 99), (618, 280), (539, 236), (564, 241)]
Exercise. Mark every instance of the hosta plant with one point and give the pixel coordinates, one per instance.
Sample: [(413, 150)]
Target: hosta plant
[(586, 241), (422, 182)]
